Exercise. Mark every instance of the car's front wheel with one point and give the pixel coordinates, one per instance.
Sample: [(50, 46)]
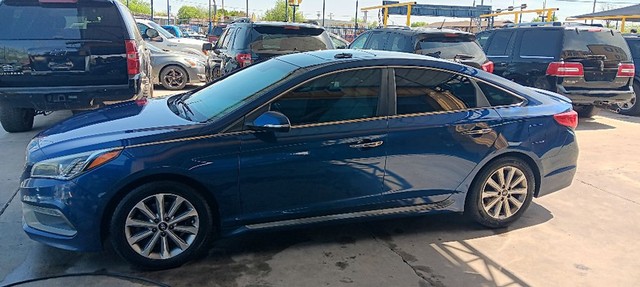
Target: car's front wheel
[(161, 225), (501, 193), (173, 78)]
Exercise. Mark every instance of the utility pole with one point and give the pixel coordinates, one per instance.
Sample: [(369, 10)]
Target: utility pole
[(168, 13), (210, 24), (356, 26), (151, 10), (247, 8), (323, 11), (594, 9), (127, 3), (286, 11)]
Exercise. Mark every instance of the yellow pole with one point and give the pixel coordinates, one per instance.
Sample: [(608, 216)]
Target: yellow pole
[(408, 15), (516, 20), (386, 15), (624, 21), (549, 16)]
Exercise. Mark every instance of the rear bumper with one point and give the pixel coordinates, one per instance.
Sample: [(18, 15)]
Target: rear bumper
[(596, 97), (68, 97)]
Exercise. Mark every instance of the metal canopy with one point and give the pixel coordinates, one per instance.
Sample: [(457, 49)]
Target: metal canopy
[(630, 13)]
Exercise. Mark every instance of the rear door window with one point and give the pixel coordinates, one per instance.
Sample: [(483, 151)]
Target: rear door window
[(540, 43), (377, 41), (86, 20), (288, 38), (498, 97), (499, 43), (399, 42), (447, 47)]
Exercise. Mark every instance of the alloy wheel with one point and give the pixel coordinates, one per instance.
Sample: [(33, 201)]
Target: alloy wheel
[(504, 192), (162, 226), (627, 105), (174, 78)]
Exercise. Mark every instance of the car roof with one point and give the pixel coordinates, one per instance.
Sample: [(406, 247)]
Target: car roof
[(309, 59), (421, 30), (278, 24)]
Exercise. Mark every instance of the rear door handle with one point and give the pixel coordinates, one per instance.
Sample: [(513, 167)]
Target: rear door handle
[(367, 144), (477, 131)]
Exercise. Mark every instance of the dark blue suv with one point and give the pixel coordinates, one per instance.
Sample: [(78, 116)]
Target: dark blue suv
[(312, 137)]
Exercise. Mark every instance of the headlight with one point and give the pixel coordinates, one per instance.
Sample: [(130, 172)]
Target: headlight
[(66, 167)]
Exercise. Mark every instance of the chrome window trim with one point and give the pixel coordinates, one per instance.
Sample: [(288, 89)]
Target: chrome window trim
[(523, 100), (537, 57)]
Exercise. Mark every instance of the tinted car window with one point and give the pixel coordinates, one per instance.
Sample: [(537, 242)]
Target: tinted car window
[(87, 20), (336, 97), (540, 43), (482, 37), (499, 43), (227, 38), (449, 47), (287, 38), (634, 45), (498, 97), (377, 41), (424, 91), (359, 42), (400, 43), (580, 43)]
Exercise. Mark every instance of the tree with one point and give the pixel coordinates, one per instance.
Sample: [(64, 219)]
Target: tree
[(419, 24), (232, 13), (278, 13), (192, 12), (138, 6)]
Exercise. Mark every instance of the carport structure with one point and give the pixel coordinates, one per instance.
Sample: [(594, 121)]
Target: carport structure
[(630, 13)]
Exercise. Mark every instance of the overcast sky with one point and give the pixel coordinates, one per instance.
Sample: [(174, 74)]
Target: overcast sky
[(345, 9)]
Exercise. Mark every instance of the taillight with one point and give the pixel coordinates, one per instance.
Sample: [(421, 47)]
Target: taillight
[(488, 67), (565, 69), (244, 59), (133, 58), (567, 119), (626, 70)]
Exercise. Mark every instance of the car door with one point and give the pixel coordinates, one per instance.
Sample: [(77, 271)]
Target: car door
[(498, 49), (442, 128), (332, 159), (225, 51)]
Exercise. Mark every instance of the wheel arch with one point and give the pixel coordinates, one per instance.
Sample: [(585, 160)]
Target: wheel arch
[(200, 188)]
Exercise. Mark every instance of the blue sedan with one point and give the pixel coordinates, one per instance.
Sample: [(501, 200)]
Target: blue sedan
[(296, 140)]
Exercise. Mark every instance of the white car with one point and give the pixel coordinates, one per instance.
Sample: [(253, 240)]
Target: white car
[(167, 42)]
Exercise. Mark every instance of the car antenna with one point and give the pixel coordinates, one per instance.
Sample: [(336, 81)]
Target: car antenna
[(441, 25)]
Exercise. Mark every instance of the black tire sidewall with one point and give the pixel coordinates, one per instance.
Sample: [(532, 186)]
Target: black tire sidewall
[(118, 237), (635, 110), (473, 204), (164, 72), (16, 120)]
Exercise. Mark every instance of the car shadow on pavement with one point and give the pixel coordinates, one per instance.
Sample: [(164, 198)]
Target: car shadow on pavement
[(621, 117), (590, 124)]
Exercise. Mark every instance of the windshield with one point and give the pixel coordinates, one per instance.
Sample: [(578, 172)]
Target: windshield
[(227, 95), (161, 30)]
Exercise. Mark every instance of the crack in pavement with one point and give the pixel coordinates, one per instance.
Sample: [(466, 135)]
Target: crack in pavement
[(6, 205), (611, 193), (426, 279)]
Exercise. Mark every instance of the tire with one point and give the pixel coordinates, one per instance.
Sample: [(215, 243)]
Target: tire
[(15, 120), (586, 111), (631, 108), (486, 199), (174, 77), (142, 243)]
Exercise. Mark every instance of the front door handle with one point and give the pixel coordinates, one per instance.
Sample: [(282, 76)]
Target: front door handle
[(367, 144), (477, 131)]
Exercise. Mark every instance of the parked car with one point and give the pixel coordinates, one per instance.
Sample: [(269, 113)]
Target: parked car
[(162, 39), (246, 42), (174, 30), (295, 140), (446, 44), (174, 70), (62, 55), (338, 42), (630, 107), (215, 33), (590, 65)]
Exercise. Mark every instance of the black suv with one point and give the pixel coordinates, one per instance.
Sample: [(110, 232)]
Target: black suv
[(590, 65), (67, 55), (631, 107), (245, 42), (447, 44)]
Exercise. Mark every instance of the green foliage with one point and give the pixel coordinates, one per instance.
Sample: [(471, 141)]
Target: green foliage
[(138, 6), (192, 12), (419, 24), (232, 13), (539, 19), (278, 13)]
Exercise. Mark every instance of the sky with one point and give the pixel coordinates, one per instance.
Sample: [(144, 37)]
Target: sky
[(345, 9)]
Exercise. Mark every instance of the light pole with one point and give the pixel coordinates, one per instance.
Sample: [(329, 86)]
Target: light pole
[(210, 24), (356, 26), (247, 8), (168, 13), (286, 11), (151, 10), (594, 9), (323, 10)]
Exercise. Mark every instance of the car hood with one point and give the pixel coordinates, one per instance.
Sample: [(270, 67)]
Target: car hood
[(189, 41), (119, 125)]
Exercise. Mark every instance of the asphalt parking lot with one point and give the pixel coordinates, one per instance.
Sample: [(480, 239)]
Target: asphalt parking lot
[(584, 235)]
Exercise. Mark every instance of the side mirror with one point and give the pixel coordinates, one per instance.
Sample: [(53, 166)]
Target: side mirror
[(207, 47), (152, 33), (271, 121)]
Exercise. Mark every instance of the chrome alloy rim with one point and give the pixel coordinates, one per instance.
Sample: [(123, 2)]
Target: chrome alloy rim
[(162, 226), (504, 192), (628, 105), (174, 78)]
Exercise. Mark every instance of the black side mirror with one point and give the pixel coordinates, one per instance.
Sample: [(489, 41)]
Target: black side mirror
[(271, 121), (152, 33), (207, 47)]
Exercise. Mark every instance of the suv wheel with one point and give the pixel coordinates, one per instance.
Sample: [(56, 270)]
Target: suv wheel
[(586, 111), (173, 78), (16, 120), (501, 193), (631, 108)]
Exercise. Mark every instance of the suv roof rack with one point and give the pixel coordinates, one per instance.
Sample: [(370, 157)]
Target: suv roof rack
[(396, 27), (242, 20)]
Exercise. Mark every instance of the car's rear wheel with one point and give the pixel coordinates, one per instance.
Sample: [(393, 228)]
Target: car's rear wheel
[(15, 120), (501, 193), (161, 225), (586, 111), (631, 108), (173, 78)]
